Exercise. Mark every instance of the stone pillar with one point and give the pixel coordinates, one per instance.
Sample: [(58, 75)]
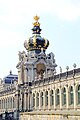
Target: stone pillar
[(30, 101), (12, 103), (19, 76), (25, 75), (35, 101), (22, 101), (29, 75), (44, 100), (49, 99), (25, 101), (39, 100), (35, 74), (7, 104), (54, 99), (1, 103), (32, 78), (60, 99), (67, 98), (17, 100), (75, 97)]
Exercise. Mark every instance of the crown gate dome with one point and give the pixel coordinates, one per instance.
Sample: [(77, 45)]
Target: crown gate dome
[(36, 42)]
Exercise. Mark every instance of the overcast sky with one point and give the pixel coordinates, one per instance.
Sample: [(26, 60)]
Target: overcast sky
[(60, 24)]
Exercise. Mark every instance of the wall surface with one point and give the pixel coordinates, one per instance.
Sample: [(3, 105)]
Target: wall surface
[(49, 116)]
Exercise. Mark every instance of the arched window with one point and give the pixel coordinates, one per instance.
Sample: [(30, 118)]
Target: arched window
[(33, 100), (71, 96), (79, 94), (46, 98), (57, 97), (41, 96), (51, 97), (64, 96), (37, 99)]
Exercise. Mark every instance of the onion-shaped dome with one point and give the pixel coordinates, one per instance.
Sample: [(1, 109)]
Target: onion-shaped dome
[(36, 42)]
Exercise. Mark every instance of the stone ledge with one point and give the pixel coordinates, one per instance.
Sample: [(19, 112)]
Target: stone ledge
[(52, 112)]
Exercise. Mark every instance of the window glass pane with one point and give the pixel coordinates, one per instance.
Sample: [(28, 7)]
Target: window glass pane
[(64, 96), (57, 97), (51, 97), (79, 94), (33, 100), (71, 96), (41, 98), (46, 98), (37, 100)]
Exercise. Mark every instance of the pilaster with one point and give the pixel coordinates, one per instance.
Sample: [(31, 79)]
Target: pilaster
[(49, 99), (60, 99), (54, 99), (75, 98), (44, 100), (39, 101), (67, 98)]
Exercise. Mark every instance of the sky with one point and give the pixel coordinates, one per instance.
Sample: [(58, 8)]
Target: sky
[(60, 24)]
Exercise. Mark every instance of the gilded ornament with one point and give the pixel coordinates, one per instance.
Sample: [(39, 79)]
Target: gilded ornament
[(36, 18), (34, 41), (36, 24), (45, 42)]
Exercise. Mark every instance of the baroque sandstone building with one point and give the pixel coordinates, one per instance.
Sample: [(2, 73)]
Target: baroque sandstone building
[(37, 93)]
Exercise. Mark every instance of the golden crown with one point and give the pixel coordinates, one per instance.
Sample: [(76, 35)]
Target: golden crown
[(36, 18)]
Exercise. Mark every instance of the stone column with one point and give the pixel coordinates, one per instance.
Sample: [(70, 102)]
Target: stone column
[(32, 78), (39, 100), (54, 99), (7, 104), (12, 103), (74, 97), (35, 101), (25, 101), (60, 99), (29, 99), (25, 74), (19, 76), (22, 100), (1, 103), (67, 98), (29, 74), (44, 100), (17, 100), (49, 99)]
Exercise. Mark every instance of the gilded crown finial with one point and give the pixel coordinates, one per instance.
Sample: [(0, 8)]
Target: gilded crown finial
[(36, 18)]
